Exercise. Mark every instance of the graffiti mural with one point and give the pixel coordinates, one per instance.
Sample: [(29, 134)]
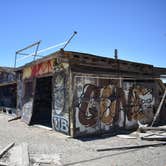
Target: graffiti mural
[(59, 93), (99, 104), (60, 115), (140, 102), (109, 100), (88, 108), (61, 123), (95, 104), (38, 69)]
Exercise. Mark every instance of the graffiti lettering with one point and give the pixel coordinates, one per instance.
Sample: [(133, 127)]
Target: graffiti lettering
[(98, 104), (38, 69), (103, 104), (41, 68), (88, 109), (61, 124), (107, 104), (139, 100)]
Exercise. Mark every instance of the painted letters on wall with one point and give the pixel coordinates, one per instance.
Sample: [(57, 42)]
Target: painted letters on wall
[(139, 102), (38, 69), (99, 104)]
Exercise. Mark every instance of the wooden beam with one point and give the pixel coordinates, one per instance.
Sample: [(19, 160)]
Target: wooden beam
[(3, 164), (19, 155), (159, 108), (132, 147), (144, 129), (6, 149), (14, 118)]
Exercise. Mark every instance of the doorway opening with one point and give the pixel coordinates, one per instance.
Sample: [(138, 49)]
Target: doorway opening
[(42, 107), (8, 98)]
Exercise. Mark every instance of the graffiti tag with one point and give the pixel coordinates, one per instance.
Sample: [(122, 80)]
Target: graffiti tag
[(61, 124)]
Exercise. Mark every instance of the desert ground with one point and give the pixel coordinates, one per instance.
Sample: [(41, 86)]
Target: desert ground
[(79, 152)]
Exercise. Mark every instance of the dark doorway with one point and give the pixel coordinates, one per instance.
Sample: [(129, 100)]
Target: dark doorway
[(42, 107), (8, 96)]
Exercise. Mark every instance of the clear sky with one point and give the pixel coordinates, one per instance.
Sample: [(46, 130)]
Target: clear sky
[(137, 28)]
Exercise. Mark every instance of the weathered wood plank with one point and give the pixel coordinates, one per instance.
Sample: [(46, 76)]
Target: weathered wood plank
[(43, 127), (144, 129), (3, 164), (14, 118), (159, 108), (46, 158), (132, 147), (19, 155), (6, 149)]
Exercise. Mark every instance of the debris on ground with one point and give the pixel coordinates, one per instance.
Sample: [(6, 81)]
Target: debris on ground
[(14, 118), (19, 156), (132, 147), (43, 127), (5, 150)]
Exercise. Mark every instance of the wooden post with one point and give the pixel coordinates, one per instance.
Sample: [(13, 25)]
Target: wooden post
[(159, 108)]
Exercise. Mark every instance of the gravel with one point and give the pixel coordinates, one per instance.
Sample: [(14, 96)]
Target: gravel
[(76, 152)]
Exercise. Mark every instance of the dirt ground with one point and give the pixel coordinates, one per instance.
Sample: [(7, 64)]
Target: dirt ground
[(75, 152)]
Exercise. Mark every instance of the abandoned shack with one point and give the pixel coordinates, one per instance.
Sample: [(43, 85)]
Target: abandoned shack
[(81, 94), (8, 90)]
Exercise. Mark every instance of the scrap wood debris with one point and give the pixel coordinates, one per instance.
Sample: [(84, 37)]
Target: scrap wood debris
[(131, 147), (144, 133), (5, 150), (19, 156), (14, 118), (150, 133)]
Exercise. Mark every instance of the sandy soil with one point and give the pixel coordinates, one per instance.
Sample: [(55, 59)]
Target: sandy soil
[(74, 152)]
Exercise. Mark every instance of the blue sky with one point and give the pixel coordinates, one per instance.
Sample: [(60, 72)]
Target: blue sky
[(137, 28)]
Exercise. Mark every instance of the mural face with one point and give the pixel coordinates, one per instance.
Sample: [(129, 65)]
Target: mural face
[(98, 103)]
